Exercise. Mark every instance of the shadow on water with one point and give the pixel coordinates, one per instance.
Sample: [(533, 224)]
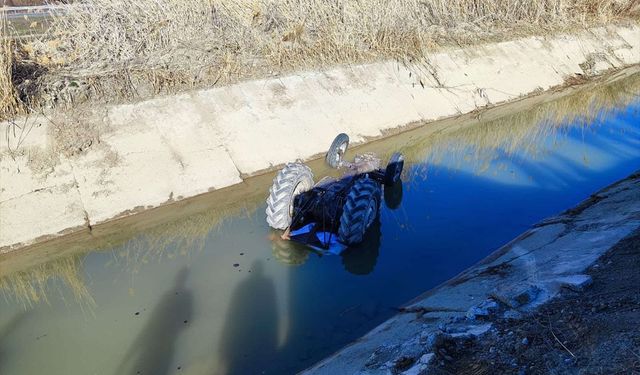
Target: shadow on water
[(250, 336), (12, 325), (152, 351)]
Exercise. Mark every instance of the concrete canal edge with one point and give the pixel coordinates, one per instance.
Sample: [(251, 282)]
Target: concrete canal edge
[(63, 174), (510, 283)]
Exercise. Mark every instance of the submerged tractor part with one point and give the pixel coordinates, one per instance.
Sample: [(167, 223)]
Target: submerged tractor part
[(289, 252), (361, 259)]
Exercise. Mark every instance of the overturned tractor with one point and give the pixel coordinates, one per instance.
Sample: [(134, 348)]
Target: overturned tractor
[(334, 213)]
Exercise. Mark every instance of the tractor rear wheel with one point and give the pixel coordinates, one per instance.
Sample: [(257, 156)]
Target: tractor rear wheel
[(293, 179), (359, 211)]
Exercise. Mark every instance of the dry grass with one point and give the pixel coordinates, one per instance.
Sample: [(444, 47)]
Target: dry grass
[(149, 46), (9, 103)]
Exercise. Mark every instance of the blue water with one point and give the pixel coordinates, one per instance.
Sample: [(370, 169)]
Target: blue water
[(234, 307)]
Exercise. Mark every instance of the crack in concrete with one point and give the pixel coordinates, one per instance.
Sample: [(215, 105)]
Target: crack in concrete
[(31, 192), (221, 144)]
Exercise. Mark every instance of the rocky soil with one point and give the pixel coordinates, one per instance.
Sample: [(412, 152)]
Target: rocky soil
[(595, 330)]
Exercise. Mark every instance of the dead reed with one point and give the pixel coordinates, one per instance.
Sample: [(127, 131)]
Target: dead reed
[(9, 103), (115, 49)]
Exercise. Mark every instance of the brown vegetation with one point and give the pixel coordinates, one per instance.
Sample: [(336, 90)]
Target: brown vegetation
[(115, 49), (35, 285), (21, 3), (8, 95)]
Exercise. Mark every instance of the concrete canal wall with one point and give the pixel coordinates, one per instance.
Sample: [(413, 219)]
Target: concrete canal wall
[(61, 174)]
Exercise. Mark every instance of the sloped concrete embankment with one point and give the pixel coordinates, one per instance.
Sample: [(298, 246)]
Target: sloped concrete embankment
[(508, 284), (64, 174)]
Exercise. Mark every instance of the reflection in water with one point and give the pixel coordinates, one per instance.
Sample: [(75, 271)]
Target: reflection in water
[(472, 148), (535, 133), (288, 252), (178, 237), (36, 284), (361, 259), (153, 349), (250, 336), (393, 195), (5, 332)]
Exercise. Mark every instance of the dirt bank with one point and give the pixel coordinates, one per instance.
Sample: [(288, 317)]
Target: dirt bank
[(593, 331)]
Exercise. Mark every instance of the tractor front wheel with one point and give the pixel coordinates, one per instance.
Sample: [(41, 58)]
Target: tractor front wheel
[(337, 150)]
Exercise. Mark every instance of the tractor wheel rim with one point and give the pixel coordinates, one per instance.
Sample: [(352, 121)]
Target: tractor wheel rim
[(339, 152), (342, 149)]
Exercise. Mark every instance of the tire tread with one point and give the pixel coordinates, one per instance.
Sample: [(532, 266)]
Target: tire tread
[(352, 222), (281, 193)]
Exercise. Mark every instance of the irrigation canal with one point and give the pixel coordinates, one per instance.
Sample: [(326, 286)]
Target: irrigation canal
[(215, 294)]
